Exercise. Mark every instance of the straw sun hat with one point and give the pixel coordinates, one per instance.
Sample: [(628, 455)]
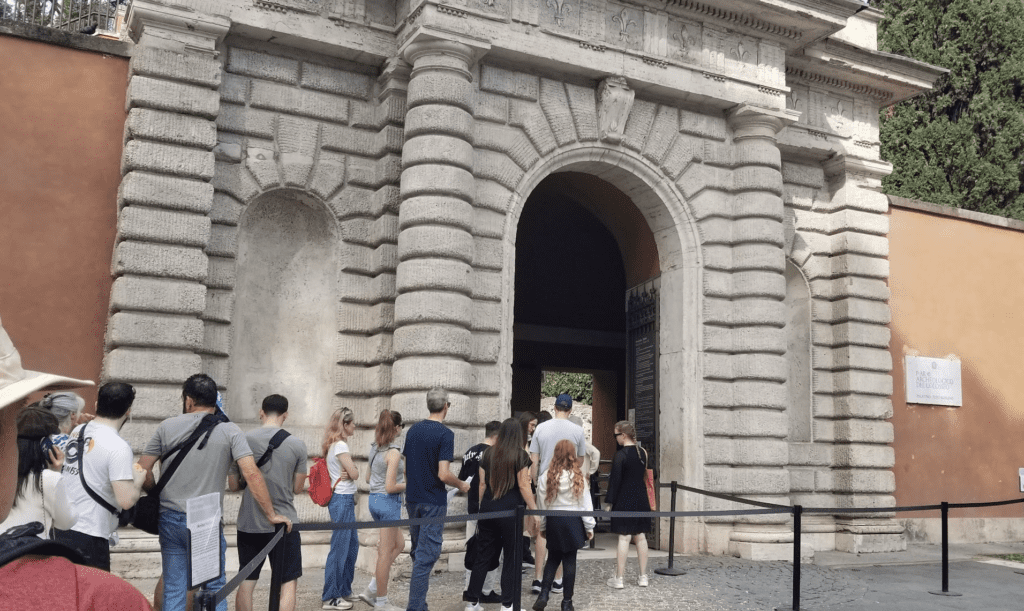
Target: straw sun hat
[(16, 383)]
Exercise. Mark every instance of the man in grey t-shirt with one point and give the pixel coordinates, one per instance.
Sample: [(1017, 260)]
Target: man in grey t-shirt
[(284, 470), (548, 434), (204, 470)]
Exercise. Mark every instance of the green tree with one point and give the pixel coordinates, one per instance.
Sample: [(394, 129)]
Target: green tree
[(578, 385), (961, 144)]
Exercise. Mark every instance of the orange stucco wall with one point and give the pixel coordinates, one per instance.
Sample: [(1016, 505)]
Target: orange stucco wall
[(62, 113), (958, 289)]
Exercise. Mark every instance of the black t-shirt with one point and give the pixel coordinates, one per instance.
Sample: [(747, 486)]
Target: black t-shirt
[(469, 472), (513, 497)]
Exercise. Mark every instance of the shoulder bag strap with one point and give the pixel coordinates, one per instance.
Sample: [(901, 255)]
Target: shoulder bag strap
[(206, 426), (275, 442), (102, 502)]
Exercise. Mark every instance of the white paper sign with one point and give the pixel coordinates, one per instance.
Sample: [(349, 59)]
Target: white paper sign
[(202, 518), (933, 381)]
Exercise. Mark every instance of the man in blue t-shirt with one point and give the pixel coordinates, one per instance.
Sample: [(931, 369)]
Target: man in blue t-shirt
[(429, 448)]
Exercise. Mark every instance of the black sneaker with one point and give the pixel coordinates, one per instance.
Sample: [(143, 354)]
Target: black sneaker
[(492, 598), (536, 586), (556, 586)]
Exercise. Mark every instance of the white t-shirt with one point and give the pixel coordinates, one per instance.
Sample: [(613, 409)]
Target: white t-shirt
[(108, 458), (334, 468), (50, 509)]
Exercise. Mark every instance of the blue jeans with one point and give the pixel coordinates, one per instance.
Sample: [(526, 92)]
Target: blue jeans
[(385, 507), (341, 560), (174, 555), (426, 549)]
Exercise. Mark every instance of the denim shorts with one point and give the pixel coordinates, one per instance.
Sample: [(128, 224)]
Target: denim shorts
[(385, 507)]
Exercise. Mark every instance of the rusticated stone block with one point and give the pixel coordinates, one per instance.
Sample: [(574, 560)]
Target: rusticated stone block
[(507, 82), (438, 119), (663, 131), (530, 117), (745, 393), (245, 121), (485, 347), (682, 152), (767, 257), (555, 104), (410, 374), (198, 69), (434, 274), (701, 125), (864, 222), (361, 350), (745, 452), (487, 285), (797, 174), (862, 382), (865, 431), (438, 149), (153, 225), (486, 316), (366, 319), (155, 331), (438, 180), (858, 243), (432, 339), (170, 127), (167, 159), (150, 365), (855, 406), (486, 379), (441, 88), (763, 230), (328, 175), (223, 241), (745, 312), (759, 203), (157, 295), (855, 310), (226, 210), (147, 92), (864, 481), (852, 357), (216, 339), (488, 253), (810, 454), (321, 106), (758, 284), (754, 423), (862, 334), (221, 272), (698, 178), (858, 265), (492, 196), (509, 141), (583, 104), (435, 241), (433, 306), (340, 82), (359, 289), (234, 89), (220, 305), (746, 481), (372, 233), (263, 65), (162, 191), (436, 209), (157, 402), (236, 181), (488, 223), (756, 178), (744, 339), (497, 167), (639, 123), (490, 107), (159, 260), (218, 368)]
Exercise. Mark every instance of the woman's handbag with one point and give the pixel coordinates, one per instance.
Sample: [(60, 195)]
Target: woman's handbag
[(649, 483)]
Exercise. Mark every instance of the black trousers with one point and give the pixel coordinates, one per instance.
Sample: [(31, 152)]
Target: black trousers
[(95, 550), (493, 537), (568, 562)]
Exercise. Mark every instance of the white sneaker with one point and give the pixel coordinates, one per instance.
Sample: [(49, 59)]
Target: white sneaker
[(642, 581), (336, 603), (369, 597), (387, 607), (615, 582), (474, 607)]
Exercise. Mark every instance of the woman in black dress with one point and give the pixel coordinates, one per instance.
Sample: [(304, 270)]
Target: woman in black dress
[(627, 492), (504, 484)]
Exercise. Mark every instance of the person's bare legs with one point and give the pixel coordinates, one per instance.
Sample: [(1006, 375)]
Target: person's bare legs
[(287, 595), (243, 598), (388, 549), (620, 556), (540, 542), (641, 551)]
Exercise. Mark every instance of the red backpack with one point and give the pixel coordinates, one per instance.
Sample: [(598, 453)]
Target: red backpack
[(320, 488)]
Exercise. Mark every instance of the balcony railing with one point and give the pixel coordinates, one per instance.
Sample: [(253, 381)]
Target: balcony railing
[(81, 16)]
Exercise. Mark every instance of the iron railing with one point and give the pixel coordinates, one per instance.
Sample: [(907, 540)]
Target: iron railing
[(80, 16)]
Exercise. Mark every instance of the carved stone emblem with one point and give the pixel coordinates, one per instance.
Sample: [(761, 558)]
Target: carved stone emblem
[(614, 101)]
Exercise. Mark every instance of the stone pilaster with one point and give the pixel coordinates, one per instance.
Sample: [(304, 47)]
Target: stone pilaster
[(434, 307), (858, 356), (155, 332), (756, 370)]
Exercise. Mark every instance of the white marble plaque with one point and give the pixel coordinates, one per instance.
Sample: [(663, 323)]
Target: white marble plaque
[(933, 381)]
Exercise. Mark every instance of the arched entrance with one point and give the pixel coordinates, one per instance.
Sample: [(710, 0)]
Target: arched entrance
[(638, 229)]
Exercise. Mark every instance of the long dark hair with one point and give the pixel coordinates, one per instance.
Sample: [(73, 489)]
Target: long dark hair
[(525, 418), (34, 424), (504, 454), (387, 428)]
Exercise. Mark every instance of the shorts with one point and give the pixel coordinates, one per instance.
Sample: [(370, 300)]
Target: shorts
[(385, 507), (251, 544)]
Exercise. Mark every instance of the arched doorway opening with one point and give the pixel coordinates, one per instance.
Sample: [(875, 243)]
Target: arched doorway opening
[(581, 245)]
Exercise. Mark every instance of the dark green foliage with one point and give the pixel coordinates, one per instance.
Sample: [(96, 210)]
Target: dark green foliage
[(578, 385), (961, 144)]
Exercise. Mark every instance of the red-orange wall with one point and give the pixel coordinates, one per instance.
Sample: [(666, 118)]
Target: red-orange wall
[(958, 288), (62, 115)]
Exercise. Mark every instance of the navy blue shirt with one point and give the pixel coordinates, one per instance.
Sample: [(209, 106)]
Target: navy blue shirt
[(427, 443)]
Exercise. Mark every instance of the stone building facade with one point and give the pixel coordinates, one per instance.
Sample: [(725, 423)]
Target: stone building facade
[(322, 198)]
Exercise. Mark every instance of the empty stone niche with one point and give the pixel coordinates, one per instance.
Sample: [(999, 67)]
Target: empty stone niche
[(284, 323)]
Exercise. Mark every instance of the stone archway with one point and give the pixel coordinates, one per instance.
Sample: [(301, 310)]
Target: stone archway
[(680, 302)]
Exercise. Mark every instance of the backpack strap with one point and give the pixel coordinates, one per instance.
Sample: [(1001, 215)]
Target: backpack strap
[(22, 540), (205, 427), (275, 442), (102, 502)]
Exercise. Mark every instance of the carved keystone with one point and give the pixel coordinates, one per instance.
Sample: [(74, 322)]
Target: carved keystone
[(614, 101)]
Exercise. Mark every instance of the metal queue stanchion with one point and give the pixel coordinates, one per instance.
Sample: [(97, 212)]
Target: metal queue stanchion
[(671, 570), (945, 554)]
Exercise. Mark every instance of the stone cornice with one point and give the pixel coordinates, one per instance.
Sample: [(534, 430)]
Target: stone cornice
[(176, 27)]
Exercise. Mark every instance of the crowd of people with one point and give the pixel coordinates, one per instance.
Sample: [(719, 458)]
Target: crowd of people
[(76, 479)]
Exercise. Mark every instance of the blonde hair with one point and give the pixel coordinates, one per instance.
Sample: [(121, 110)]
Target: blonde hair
[(626, 428), (564, 459), (335, 428)]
